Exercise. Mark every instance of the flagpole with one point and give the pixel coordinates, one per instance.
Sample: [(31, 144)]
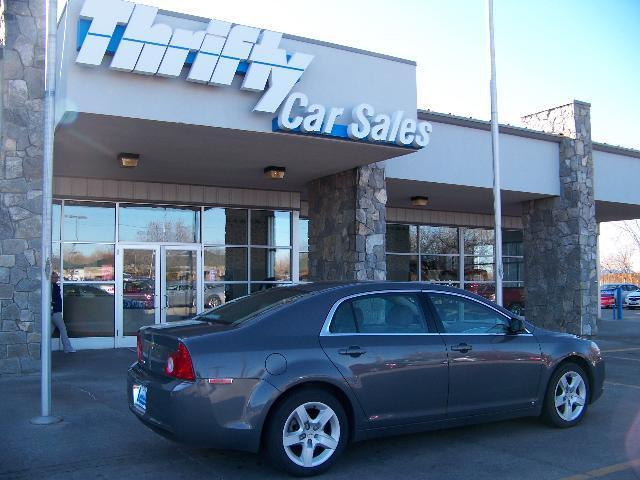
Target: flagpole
[(495, 148), (46, 417)]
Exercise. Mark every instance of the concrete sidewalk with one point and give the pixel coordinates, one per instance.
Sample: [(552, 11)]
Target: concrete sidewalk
[(100, 438)]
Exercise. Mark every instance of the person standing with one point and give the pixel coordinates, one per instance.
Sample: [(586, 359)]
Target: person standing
[(56, 314)]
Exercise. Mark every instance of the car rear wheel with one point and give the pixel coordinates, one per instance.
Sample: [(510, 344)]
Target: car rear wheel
[(567, 396), (306, 433)]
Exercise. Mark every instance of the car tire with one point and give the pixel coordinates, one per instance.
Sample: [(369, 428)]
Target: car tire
[(567, 397), (306, 455)]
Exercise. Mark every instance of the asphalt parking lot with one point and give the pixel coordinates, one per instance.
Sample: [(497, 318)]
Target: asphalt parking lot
[(99, 438)]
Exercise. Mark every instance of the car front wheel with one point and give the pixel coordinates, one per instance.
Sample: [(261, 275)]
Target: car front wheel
[(306, 433), (567, 396)]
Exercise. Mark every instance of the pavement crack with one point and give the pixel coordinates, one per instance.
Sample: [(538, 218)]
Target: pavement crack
[(91, 395)]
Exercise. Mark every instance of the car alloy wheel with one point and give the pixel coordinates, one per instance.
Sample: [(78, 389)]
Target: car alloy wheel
[(570, 396), (307, 432), (567, 396), (311, 434)]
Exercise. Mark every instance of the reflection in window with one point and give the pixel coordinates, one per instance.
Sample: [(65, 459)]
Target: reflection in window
[(270, 264), (513, 297), (486, 290), (87, 262), (439, 268), (270, 228), (89, 222), (478, 269), (225, 264), (159, 224), (438, 240), (402, 268), (89, 309), (224, 226), (459, 315), (303, 234), (478, 241), (402, 238)]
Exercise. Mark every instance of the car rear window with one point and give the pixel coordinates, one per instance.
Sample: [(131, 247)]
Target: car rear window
[(245, 308)]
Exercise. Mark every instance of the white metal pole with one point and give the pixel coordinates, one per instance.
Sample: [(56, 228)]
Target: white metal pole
[(497, 203), (46, 418)]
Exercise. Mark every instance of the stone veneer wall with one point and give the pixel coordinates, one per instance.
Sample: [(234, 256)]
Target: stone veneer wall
[(347, 225), (22, 130), (560, 233)]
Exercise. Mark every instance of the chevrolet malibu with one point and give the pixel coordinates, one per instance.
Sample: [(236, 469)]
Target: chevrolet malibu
[(301, 371)]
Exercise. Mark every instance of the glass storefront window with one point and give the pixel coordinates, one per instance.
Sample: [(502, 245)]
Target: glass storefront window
[(438, 240), (89, 222), (224, 226), (478, 269), (402, 238), (55, 258), (83, 262), (261, 287), (402, 268), (270, 264), (56, 213), (478, 242), (225, 264), (224, 292), (513, 269), (513, 297), (154, 223), (512, 243), (439, 268), (486, 290), (270, 228), (89, 309)]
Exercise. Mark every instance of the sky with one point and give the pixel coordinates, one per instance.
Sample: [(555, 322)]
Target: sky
[(548, 52)]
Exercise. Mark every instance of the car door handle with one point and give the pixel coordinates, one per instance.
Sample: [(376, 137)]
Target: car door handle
[(352, 351), (462, 347)]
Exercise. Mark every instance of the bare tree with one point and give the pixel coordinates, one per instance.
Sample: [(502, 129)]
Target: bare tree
[(619, 262), (631, 229)]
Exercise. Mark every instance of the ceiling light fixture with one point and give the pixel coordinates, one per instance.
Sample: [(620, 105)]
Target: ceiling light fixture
[(128, 160), (275, 173), (419, 201)]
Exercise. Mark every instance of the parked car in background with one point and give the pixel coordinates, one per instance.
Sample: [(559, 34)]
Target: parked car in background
[(626, 288), (301, 371), (607, 299), (633, 300)]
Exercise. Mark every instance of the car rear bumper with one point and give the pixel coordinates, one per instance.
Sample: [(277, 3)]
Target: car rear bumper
[(201, 414)]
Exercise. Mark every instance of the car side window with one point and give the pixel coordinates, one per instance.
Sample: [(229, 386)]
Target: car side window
[(462, 315), (380, 313)]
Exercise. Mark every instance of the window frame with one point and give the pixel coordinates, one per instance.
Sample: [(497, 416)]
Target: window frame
[(430, 322)]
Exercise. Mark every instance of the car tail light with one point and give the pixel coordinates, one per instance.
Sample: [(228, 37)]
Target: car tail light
[(179, 364), (139, 349)]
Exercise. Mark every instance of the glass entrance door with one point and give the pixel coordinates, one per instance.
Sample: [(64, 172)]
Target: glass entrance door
[(180, 276), (139, 291), (156, 284)]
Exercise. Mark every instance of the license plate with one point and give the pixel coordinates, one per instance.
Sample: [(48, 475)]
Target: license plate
[(140, 396)]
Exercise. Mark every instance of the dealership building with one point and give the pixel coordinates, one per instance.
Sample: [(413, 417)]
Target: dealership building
[(197, 161)]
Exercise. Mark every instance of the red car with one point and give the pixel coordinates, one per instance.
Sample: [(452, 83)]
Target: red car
[(607, 300)]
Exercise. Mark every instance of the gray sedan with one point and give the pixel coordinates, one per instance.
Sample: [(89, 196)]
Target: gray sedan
[(301, 371)]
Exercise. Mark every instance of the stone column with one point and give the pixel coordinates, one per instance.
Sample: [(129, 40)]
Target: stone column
[(22, 130), (560, 233), (347, 225)]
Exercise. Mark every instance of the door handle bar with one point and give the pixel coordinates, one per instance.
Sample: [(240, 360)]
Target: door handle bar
[(352, 351), (462, 347)]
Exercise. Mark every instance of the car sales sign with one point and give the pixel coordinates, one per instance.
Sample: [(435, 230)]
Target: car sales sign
[(215, 55)]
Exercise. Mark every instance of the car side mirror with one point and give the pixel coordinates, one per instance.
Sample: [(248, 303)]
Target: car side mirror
[(517, 325)]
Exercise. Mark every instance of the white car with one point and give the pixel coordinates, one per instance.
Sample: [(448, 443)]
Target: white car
[(632, 300)]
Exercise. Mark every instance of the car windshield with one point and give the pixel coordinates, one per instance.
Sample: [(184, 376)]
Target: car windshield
[(609, 286), (240, 310)]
